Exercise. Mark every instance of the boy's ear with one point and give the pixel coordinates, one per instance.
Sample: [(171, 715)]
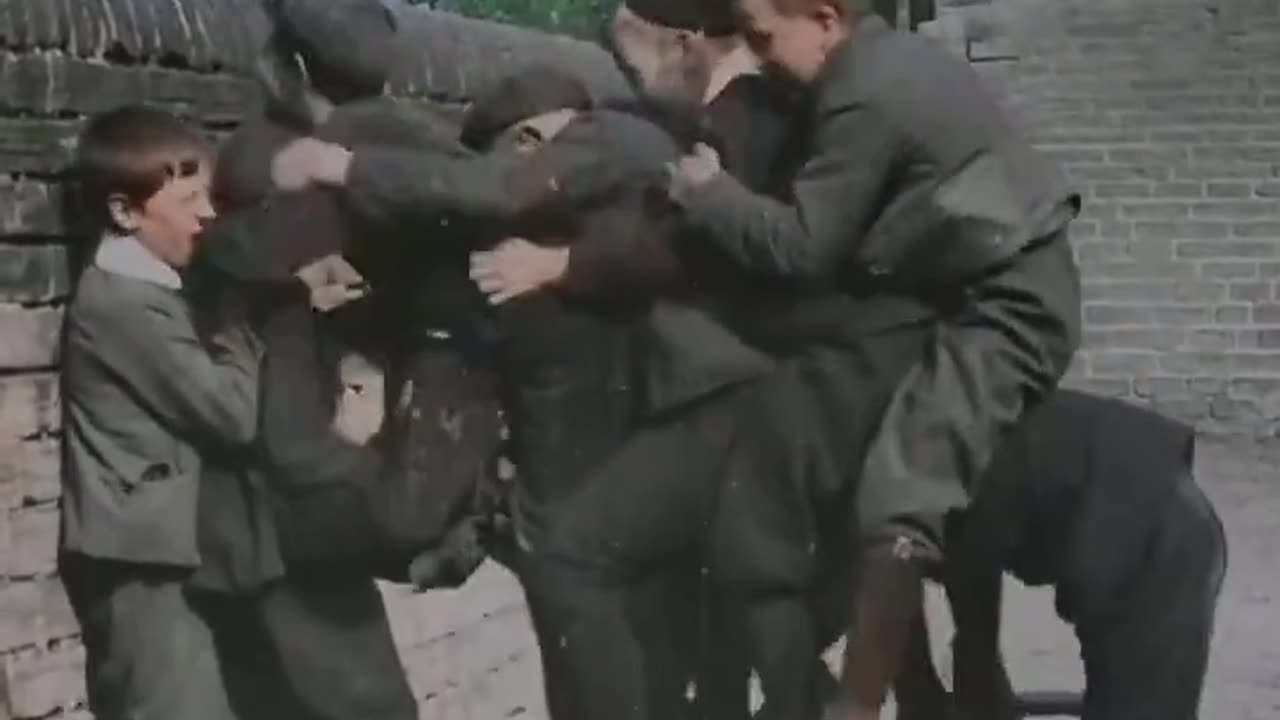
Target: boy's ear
[(827, 14), (120, 210)]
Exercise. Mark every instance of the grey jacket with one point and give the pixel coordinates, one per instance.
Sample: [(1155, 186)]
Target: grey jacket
[(143, 398), (894, 118)]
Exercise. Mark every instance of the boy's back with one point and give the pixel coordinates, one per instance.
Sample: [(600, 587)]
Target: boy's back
[(1076, 491)]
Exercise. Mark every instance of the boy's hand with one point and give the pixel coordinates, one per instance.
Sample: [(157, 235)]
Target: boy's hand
[(359, 413), (691, 172), (332, 282), (306, 162), (517, 267)]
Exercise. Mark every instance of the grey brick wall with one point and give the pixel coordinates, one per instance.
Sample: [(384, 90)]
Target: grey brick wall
[(1166, 114)]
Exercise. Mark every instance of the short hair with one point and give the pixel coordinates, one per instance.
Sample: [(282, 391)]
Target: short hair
[(532, 91), (133, 151)]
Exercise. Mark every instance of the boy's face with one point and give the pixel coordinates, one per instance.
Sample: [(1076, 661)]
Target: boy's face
[(169, 221), (796, 44)]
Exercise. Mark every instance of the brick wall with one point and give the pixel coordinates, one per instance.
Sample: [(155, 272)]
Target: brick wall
[(468, 652), (1166, 114)]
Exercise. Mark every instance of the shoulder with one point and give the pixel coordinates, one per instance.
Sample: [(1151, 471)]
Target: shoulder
[(120, 309), (628, 131), (242, 174), (630, 126), (391, 122)]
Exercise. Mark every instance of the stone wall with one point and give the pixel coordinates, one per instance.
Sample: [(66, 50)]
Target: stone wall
[(1166, 113), (61, 60)]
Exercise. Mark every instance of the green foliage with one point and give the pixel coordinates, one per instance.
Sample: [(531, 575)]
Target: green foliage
[(581, 18)]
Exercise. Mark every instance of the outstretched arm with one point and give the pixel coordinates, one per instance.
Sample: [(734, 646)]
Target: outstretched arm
[(396, 184), (617, 255), (833, 199)]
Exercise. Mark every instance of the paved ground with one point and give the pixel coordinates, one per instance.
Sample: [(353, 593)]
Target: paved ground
[(492, 661)]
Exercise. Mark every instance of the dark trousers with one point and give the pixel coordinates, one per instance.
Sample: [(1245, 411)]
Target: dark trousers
[(150, 651), (1145, 658), (655, 622), (752, 479), (1006, 346), (313, 650), (609, 550)]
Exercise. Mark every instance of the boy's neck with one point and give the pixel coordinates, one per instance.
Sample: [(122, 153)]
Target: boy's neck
[(733, 60)]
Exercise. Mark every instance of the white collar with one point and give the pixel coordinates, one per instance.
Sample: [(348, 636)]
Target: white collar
[(736, 63), (124, 255)]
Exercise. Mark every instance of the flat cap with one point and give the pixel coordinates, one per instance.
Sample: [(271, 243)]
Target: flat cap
[(712, 17), (350, 41)]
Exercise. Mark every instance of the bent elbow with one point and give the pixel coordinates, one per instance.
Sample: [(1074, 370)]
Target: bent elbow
[(239, 423)]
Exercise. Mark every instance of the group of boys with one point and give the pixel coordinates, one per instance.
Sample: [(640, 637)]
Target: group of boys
[(768, 344)]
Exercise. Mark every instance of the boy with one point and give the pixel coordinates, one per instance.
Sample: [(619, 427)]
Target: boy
[(915, 185), (144, 397), (1095, 498)]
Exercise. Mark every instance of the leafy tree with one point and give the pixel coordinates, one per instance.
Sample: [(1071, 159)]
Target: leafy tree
[(571, 17)]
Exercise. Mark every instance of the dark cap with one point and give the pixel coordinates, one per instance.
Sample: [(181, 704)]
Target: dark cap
[(712, 17), (531, 91), (351, 42)]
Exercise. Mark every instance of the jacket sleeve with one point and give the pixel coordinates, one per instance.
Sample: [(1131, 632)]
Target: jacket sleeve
[(394, 184), (297, 439), (624, 252), (390, 185), (833, 200), (625, 245), (204, 389)]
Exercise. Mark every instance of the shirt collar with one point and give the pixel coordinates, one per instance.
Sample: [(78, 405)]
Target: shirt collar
[(124, 255)]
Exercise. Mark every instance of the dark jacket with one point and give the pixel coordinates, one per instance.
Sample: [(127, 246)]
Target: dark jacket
[(420, 296), (577, 371), (921, 201), (1074, 494), (891, 113)]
